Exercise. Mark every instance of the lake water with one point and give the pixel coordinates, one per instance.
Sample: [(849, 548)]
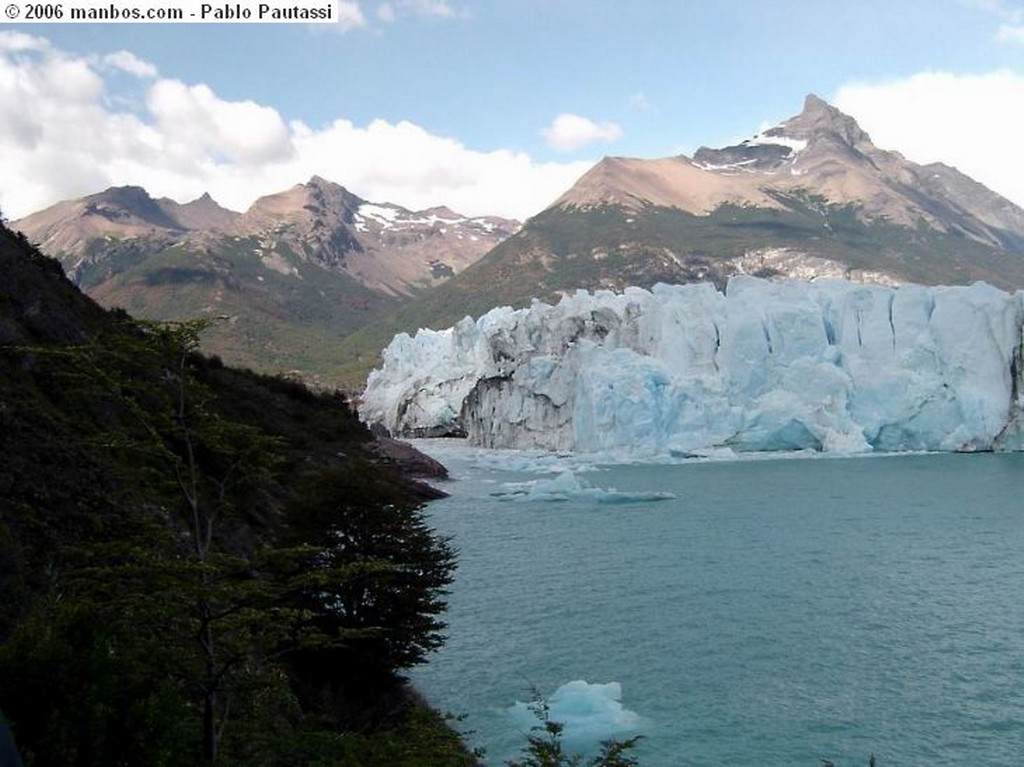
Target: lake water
[(772, 612)]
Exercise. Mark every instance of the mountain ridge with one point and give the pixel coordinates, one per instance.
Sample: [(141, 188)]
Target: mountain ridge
[(807, 199), (282, 282), (319, 220), (820, 149)]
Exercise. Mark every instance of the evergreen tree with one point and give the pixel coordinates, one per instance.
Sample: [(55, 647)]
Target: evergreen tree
[(155, 617)]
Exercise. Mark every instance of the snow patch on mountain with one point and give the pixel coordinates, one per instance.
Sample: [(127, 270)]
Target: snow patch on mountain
[(829, 366), (725, 165), (795, 145), (383, 215), (390, 218)]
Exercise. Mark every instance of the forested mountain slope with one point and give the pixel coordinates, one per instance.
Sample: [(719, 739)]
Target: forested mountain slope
[(197, 564)]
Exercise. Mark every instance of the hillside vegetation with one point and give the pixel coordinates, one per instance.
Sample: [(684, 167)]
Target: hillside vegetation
[(198, 564)]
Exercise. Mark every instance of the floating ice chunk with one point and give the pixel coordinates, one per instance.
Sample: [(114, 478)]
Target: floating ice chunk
[(589, 713), (566, 486)]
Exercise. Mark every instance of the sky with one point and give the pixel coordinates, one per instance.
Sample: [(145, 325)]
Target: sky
[(493, 106)]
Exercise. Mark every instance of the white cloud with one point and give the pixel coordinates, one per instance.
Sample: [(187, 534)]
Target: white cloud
[(68, 139), (439, 8), (389, 12), (16, 42), (194, 122), (127, 61), (1011, 14), (570, 132), (404, 163), (972, 122), (350, 16)]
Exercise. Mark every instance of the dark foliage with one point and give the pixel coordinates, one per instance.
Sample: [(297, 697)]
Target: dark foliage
[(185, 547)]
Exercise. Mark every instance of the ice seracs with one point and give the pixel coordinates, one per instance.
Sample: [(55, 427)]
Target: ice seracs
[(830, 366)]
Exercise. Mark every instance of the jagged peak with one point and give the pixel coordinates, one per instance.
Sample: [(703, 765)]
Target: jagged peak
[(323, 184), (442, 211), (332, 193), (814, 103), (125, 204), (316, 180), (316, 186), (203, 212), (122, 195), (820, 130), (819, 119), (205, 201)]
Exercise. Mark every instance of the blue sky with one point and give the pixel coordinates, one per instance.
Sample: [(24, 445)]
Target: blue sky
[(493, 105)]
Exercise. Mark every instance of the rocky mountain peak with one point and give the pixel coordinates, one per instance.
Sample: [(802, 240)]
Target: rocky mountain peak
[(128, 195), (118, 212), (820, 131), (201, 213), (818, 120), (128, 205), (319, 182), (441, 211), (328, 197), (301, 205)]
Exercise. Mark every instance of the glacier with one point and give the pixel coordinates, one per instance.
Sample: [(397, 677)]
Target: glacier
[(829, 366)]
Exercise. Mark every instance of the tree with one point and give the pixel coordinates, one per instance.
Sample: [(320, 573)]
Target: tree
[(175, 567), (200, 548), (382, 576)]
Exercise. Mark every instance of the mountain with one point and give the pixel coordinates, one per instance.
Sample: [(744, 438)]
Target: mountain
[(820, 158), (281, 283), (201, 213), (385, 247), (73, 227), (810, 198)]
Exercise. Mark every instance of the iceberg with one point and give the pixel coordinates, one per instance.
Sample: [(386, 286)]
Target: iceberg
[(589, 712), (829, 366), (566, 486)]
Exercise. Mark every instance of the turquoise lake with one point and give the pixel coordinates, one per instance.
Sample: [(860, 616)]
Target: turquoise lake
[(769, 612)]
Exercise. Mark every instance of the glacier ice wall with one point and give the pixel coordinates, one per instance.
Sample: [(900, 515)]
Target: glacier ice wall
[(829, 365)]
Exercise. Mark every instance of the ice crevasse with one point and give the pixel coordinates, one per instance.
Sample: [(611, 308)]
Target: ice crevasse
[(764, 365)]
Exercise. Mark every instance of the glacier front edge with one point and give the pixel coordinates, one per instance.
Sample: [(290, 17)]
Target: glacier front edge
[(828, 366)]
